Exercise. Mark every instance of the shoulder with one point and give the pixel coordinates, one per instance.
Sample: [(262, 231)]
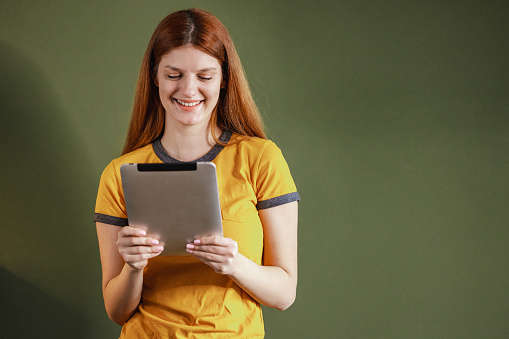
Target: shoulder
[(144, 154), (263, 163), (253, 146), (257, 154)]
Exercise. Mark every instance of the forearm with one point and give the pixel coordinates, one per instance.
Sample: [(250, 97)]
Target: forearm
[(269, 285), (275, 283), (122, 294)]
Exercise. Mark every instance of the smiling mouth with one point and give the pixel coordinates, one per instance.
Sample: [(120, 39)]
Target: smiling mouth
[(188, 104)]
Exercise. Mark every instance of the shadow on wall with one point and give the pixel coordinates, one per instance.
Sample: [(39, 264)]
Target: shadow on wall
[(29, 313), (49, 265)]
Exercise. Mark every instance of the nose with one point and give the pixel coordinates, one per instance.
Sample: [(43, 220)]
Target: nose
[(188, 87)]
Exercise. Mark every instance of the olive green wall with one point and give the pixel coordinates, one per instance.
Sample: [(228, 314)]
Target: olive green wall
[(393, 116)]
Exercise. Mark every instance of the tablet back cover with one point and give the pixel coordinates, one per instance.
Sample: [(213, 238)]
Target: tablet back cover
[(175, 203)]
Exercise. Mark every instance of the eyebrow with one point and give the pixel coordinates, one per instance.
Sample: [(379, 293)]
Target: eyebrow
[(208, 69)]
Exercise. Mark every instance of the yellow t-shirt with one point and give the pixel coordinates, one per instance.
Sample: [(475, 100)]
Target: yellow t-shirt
[(182, 297)]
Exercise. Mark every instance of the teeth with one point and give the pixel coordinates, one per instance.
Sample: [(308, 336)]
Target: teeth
[(188, 104)]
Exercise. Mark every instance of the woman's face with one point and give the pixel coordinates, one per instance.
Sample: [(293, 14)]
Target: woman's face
[(189, 82)]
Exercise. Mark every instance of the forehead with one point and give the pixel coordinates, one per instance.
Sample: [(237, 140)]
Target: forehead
[(189, 58)]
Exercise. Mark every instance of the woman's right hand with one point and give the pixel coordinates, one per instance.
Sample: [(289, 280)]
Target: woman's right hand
[(136, 248)]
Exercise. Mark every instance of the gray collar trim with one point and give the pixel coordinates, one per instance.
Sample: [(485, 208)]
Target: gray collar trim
[(211, 155)]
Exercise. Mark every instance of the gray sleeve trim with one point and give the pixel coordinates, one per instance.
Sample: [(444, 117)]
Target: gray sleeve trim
[(108, 219), (277, 201)]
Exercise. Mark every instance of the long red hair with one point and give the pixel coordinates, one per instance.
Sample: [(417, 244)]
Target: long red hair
[(236, 110)]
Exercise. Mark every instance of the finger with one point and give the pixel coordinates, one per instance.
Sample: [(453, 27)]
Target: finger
[(213, 253), (133, 244), (136, 250), (129, 231), (191, 248), (227, 247), (213, 240), (142, 241)]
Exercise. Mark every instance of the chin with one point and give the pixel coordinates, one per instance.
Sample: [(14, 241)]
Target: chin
[(190, 122)]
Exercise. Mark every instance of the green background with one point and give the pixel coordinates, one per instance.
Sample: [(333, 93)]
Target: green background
[(393, 116)]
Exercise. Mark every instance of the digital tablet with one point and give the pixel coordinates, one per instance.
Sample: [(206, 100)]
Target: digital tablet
[(175, 203)]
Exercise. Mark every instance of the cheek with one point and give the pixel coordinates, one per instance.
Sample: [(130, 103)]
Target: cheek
[(165, 91), (165, 97), (215, 92), (162, 96)]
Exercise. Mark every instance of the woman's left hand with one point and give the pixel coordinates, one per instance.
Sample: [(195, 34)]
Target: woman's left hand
[(218, 252)]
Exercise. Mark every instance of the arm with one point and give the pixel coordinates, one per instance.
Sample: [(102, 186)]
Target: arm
[(124, 254), (275, 283)]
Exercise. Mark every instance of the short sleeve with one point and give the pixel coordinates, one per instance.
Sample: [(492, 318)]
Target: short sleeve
[(110, 204), (273, 181)]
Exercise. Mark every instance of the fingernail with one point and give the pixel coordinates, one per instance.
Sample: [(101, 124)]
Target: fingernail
[(155, 242), (160, 248), (143, 233), (190, 246), (197, 241)]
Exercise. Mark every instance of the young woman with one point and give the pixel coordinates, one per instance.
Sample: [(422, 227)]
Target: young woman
[(193, 103)]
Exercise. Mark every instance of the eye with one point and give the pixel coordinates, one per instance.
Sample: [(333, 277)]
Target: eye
[(173, 77), (204, 78)]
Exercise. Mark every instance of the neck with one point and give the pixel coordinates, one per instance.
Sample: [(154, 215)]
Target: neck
[(188, 144)]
